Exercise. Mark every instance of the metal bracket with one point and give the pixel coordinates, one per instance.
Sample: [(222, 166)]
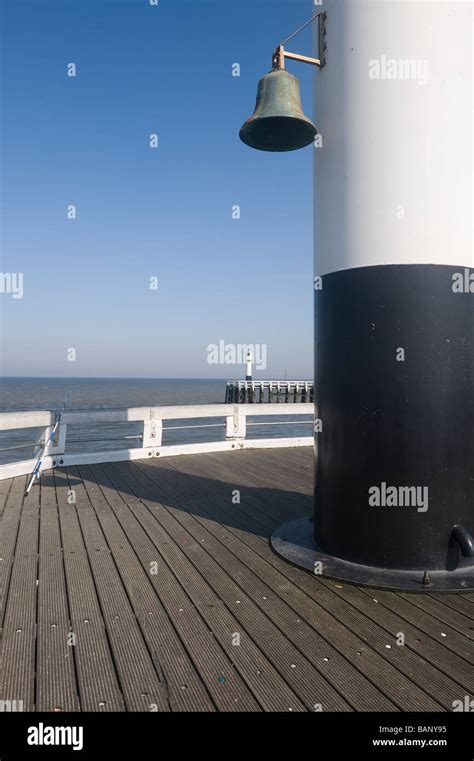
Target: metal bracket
[(279, 54), (322, 41)]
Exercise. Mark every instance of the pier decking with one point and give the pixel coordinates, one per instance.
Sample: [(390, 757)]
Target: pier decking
[(148, 586)]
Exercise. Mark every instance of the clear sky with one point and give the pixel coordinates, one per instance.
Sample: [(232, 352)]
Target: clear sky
[(144, 212)]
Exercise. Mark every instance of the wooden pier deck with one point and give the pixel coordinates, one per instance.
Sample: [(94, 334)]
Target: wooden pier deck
[(147, 586)]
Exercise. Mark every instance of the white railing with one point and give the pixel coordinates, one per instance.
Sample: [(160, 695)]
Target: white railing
[(149, 431)]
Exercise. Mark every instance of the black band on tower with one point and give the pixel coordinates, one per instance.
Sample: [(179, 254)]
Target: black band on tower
[(394, 392), (394, 386)]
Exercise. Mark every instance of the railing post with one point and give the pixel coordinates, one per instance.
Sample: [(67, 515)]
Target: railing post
[(235, 424), (41, 439), (152, 433), (58, 445)]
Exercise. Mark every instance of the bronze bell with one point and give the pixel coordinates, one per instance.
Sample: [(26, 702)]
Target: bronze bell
[(278, 122)]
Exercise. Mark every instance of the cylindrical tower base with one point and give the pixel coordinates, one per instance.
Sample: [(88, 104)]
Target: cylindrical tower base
[(394, 480), (294, 542)]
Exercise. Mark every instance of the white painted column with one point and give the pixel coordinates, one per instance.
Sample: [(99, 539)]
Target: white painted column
[(394, 105)]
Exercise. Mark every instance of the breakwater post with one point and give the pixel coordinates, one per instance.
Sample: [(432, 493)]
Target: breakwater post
[(268, 391)]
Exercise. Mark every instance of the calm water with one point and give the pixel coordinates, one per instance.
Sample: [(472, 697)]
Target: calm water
[(115, 393), (105, 393)]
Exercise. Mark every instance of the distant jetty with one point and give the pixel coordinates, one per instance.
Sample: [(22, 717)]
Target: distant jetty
[(268, 391)]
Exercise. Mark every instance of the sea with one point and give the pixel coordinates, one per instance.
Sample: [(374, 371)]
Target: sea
[(23, 394)]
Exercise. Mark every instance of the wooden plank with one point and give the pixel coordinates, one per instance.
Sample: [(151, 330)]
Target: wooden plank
[(303, 679), (263, 501), (396, 684), (326, 634), (185, 689), (290, 461), (284, 464), (408, 610), (19, 628), (286, 654), (457, 602), (140, 683), (447, 615), (283, 476), (264, 484), (189, 632), (271, 691), (434, 652), (10, 521), (455, 642), (263, 504), (195, 482), (56, 688), (97, 680), (461, 603), (5, 487), (303, 578), (217, 577)]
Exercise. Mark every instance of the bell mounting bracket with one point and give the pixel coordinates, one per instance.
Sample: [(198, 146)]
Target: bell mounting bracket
[(279, 54)]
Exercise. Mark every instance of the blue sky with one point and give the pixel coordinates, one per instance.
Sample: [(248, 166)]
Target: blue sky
[(143, 212)]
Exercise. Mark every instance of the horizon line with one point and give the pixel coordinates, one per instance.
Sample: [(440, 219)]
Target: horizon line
[(130, 377)]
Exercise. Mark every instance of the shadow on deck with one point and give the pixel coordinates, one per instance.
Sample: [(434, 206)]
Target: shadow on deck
[(151, 586)]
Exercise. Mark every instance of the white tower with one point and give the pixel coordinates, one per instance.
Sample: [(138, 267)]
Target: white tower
[(248, 372), (394, 299)]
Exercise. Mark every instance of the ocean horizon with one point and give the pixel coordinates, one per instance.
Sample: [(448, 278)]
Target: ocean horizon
[(48, 393), (43, 393)]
